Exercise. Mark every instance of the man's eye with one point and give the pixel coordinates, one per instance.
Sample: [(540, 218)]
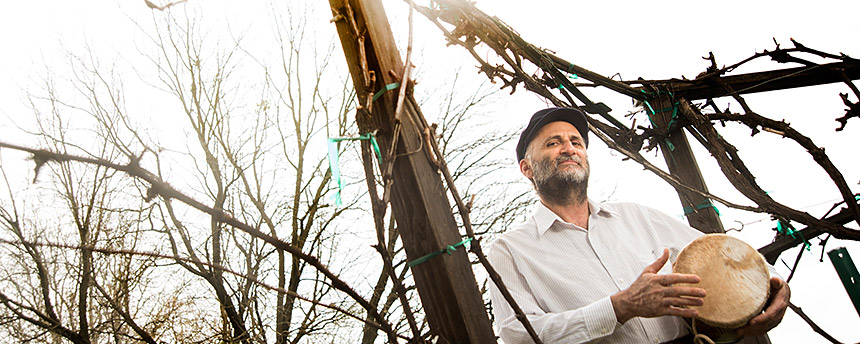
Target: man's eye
[(551, 144)]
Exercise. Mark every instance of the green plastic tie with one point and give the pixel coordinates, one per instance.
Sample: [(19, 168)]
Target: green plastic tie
[(387, 88), (671, 146), (787, 229), (333, 159), (650, 108), (572, 76), (674, 115), (704, 205), (448, 249), (671, 121)]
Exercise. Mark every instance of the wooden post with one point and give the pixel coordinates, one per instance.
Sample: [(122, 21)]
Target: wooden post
[(446, 284), (682, 164), (772, 80)]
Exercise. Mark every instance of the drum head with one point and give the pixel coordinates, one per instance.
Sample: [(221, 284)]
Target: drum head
[(734, 275)]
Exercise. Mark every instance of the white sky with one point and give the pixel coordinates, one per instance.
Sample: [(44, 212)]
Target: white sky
[(652, 40)]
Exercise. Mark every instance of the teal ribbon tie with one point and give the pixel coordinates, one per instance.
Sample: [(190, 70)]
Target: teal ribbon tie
[(672, 120), (572, 76), (333, 159), (704, 205), (335, 170), (788, 229), (448, 249), (386, 88)]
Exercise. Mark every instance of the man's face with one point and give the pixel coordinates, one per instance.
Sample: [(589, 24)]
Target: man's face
[(557, 162)]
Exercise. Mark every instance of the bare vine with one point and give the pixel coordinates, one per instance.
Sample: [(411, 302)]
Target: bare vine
[(472, 27)]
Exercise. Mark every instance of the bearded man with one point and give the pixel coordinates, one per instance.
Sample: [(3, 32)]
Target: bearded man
[(584, 271)]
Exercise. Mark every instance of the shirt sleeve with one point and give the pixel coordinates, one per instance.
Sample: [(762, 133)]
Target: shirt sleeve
[(583, 325)]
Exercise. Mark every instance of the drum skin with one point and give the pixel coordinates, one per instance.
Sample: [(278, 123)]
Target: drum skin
[(734, 276)]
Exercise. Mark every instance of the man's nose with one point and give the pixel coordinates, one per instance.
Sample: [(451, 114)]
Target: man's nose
[(567, 148)]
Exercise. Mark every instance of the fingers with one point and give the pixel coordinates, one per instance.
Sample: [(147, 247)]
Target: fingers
[(774, 312), (779, 296), (653, 295), (682, 301), (779, 290), (658, 264), (759, 325), (670, 279), (687, 292)]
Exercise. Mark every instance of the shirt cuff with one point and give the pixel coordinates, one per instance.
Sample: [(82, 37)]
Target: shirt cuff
[(600, 318)]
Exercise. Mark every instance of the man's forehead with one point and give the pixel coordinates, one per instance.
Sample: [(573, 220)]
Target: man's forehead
[(557, 128)]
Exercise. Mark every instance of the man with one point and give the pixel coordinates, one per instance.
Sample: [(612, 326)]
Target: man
[(583, 271)]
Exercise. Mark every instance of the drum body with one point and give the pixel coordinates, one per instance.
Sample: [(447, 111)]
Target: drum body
[(735, 278)]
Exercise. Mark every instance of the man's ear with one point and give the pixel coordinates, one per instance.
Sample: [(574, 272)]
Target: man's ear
[(526, 168)]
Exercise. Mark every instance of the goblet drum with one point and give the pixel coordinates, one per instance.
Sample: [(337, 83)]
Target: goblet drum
[(735, 278)]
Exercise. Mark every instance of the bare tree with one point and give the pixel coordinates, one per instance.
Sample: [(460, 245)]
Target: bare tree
[(74, 294), (246, 143), (248, 157), (213, 236)]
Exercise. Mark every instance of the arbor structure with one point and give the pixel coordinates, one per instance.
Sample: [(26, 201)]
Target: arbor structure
[(666, 102), (233, 237)]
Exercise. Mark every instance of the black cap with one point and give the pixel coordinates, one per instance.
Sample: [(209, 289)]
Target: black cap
[(546, 116)]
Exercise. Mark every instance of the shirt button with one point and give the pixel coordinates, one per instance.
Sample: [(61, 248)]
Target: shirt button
[(604, 331), (620, 280)]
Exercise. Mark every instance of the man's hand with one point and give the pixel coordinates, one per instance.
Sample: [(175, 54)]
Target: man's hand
[(653, 295), (772, 315)]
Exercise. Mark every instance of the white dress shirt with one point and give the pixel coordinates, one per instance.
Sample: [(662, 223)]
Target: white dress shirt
[(562, 275)]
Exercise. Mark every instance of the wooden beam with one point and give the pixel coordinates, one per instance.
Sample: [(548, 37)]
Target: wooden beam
[(682, 164), (707, 87), (446, 285), (772, 251), (676, 149)]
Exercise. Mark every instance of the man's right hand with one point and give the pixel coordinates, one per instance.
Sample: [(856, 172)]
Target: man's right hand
[(653, 295)]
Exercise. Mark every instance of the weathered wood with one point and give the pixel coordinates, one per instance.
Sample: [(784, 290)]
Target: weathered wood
[(682, 164), (772, 251), (704, 88), (446, 285)]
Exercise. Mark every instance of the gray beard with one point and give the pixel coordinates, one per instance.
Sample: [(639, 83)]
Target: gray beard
[(561, 187)]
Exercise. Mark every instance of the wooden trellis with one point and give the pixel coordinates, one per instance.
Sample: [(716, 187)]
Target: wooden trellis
[(414, 188)]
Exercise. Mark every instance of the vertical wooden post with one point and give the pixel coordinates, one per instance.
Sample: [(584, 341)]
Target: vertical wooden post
[(682, 164), (446, 284)]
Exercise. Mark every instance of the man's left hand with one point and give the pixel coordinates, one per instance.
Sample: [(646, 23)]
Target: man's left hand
[(772, 315)]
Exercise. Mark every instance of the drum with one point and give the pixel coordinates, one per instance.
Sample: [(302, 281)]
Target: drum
[(735, 278)]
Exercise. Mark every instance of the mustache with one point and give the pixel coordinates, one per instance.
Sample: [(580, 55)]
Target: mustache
[(573, 158)]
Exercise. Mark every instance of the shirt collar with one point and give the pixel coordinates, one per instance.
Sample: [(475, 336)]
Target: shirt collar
[(544, 217)]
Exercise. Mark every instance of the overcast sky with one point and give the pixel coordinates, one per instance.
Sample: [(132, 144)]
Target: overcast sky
[(652, 40)]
